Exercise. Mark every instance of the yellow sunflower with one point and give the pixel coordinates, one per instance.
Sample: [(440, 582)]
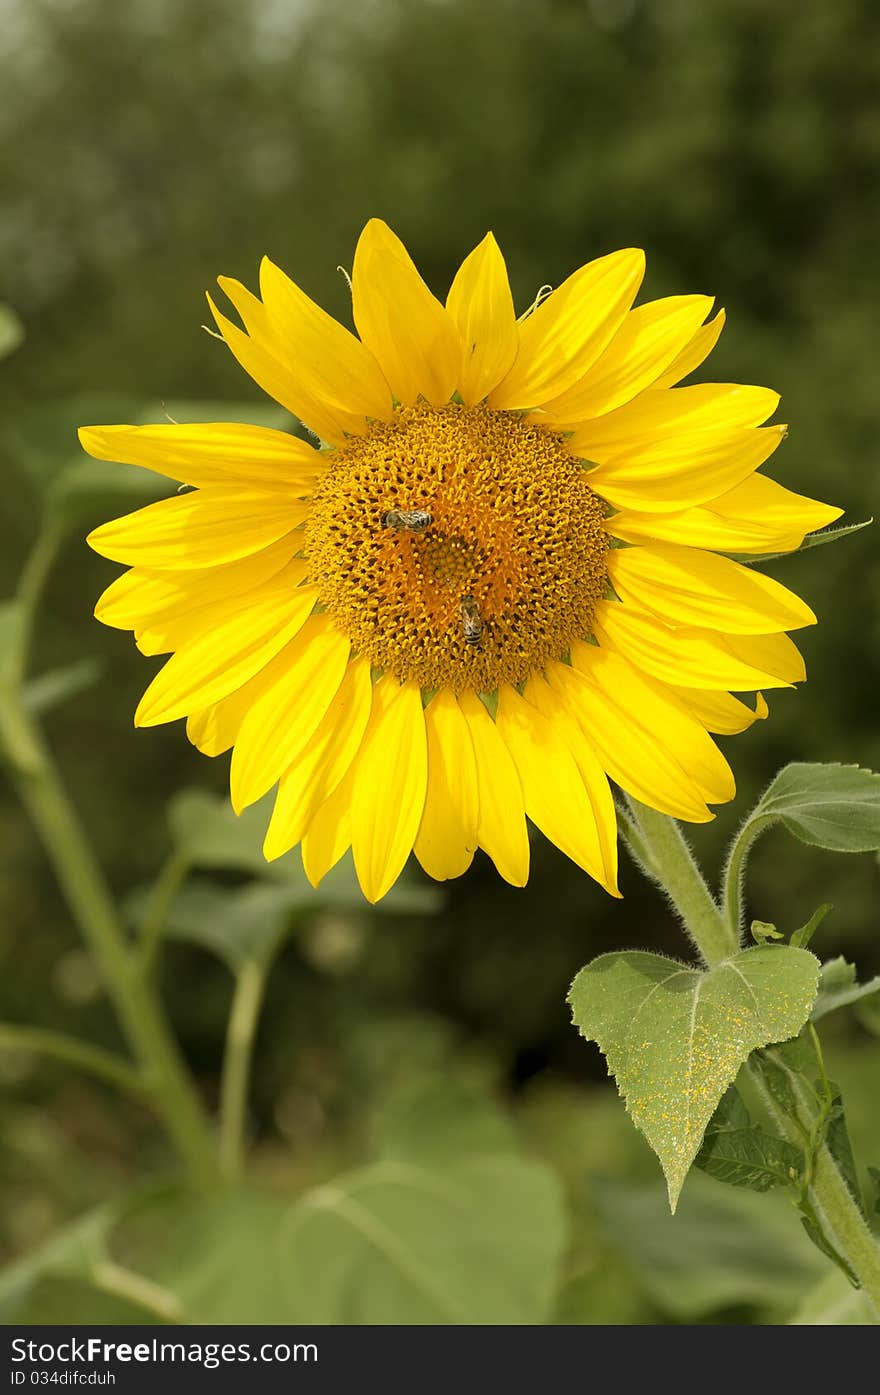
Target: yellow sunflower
[(499, 583)]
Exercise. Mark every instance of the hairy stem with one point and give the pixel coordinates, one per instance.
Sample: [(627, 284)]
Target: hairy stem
[(660, 847), (732, 900), (830, 1196)]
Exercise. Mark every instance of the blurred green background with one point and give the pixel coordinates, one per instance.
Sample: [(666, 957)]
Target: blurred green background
[(148, 146)]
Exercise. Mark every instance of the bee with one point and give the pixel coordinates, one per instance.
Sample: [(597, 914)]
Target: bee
[(471, 622), (407, 520)]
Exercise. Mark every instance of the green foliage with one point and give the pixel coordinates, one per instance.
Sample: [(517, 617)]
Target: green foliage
[(826, 806), (415, 1237), (736, 1151), (838, 987), (11, 331), (675, 1037)]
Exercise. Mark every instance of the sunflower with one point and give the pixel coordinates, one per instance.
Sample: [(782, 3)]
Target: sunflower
[(499, 581)]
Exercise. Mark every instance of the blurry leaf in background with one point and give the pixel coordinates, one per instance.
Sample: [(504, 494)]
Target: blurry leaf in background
[(675, 1037), (11, 331), (723, 1247), (838, 987), (833, 1302), (49, 689)]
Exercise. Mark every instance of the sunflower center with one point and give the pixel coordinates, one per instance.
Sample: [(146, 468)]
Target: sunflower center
[(458, 547)]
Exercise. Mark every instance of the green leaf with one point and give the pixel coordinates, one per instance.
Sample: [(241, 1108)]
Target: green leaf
[(49, 689), (801, 938), (725, 1247), (833, 1302), (763, 930), (237, 924), (839, 1145), (740, 1153), (874, 1203), (826, 806), (826, 535), (11, 331), (675, 1037), (838, 987)]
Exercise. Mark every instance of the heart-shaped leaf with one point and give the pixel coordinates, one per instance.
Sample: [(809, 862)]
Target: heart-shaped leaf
[(675, 1037), (827, 806)]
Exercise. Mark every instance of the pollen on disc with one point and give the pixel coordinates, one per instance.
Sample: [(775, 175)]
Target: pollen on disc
[(515, 528)]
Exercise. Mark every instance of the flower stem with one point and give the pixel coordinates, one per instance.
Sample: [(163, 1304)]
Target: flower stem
[(659, 845), (105, 1065), (137, 1006), (831, 1197), (247, 999), (165, 888), (733, 873)]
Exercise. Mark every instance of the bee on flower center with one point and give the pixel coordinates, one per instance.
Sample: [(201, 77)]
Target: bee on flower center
[(471, 621), (407, 520)]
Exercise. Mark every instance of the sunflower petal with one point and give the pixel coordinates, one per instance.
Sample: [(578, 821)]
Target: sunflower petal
[(285, 718), (481, 307), (563, 337), (323, 764), (265, 360), (688, 657), (647, 341), (328, 836), (556, 799), (691, 587), (538, 692), (656, 415), (224, 658), (251, 457), (447, 837), (722, 713), (695, 353), (203, 529), (404, 326), (334, 365), (669, 476), (756, 516), (389, 788), (501, 825)]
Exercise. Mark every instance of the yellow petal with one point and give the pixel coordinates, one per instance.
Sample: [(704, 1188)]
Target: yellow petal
[(562, 339), (284, 719), (214, 729), (481, 307), (224, 658), (717, 407), (758, 516), (501, 825), (389, 788), (141, 595), (663, 713), (447, 836), (696, 352), (635, 758), (322, 765), (328, 836), (693, 658), (722, 712), (251, 457), (402, 324), (538, 692), (260, 355), (668, 476), (649, 339), (690, 587), (555, 797), (202, 529), (334, 366), (184, 623)]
